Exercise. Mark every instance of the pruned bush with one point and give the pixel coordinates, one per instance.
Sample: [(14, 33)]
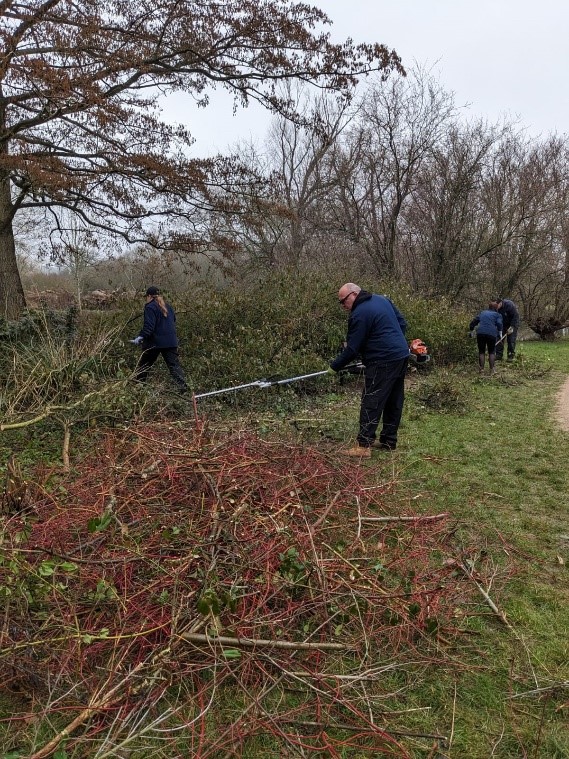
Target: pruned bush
[(444, 392), (441, 324), (279, 327), (285, 325)]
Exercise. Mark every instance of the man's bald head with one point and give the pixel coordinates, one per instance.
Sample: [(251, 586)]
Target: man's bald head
[(347, 294)]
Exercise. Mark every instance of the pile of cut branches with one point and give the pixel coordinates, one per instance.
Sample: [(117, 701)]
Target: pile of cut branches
[(197, 595)]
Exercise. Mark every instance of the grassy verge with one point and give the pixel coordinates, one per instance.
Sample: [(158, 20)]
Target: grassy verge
[(491, 453), (499, 467)]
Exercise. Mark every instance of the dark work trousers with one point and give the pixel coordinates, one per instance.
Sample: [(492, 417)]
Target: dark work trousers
[(170, 356), (383, 394), (486, 341), (511, 340)]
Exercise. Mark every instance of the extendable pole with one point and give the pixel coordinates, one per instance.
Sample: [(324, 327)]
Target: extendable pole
[(270, 383)]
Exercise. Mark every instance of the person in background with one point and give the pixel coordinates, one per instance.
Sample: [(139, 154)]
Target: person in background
[(511, 318), (158, 337), (376, 331), (490, 326)]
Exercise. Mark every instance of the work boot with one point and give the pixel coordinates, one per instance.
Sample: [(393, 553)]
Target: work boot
[(510, 356), (384, 445), (358, 452)]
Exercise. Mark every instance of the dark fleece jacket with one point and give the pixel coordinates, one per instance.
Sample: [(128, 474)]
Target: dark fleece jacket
[(159, 331), (376, 331), (510, 314), (489, 323)]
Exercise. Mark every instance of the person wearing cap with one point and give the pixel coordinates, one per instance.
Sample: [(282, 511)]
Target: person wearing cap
[(511, 318), (376, 331), (158, 337)]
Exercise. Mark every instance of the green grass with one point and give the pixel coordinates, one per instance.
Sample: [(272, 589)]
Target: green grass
[(498, 466), (490, 452)]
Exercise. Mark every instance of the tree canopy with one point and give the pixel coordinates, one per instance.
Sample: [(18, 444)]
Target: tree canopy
[(80, 125)]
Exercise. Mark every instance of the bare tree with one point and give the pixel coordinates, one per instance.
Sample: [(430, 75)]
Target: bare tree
[(401, 124), (539, 268), (76, 251), (287, 219), (447, 229), (79, 123)]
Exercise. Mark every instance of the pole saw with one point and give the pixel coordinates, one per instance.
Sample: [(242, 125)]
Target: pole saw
[(264, 383)]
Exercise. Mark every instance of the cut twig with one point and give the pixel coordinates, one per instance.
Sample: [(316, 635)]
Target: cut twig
[(501, 616), (545, 689), (263, 642), (65, 448), (96, 704), (359, 728), (51, 410), (325, 513), (417, 518)]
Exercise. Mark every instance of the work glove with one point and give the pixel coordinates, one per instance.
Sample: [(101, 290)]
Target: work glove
[(137, 340), (472, 333), (331, 371)]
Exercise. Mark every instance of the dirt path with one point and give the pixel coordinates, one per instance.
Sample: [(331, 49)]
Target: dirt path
[(562, 406)]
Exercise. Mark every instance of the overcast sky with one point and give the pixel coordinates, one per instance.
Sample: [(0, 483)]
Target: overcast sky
[(500, 58)]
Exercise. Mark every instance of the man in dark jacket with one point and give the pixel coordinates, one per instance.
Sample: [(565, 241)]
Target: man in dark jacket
[(376, 332), (511, 318), (158, 337)]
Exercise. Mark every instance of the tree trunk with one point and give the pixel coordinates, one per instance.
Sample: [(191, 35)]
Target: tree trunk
[(12, 298)]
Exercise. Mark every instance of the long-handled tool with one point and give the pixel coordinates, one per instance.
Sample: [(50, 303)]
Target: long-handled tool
[(505, 335), (263, 383)]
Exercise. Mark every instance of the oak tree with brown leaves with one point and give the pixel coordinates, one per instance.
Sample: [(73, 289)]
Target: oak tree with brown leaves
[(80, 127)]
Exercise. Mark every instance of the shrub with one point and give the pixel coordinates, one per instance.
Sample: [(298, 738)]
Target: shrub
[(444, 392), (278, 327), (55, 366), (442, 325)]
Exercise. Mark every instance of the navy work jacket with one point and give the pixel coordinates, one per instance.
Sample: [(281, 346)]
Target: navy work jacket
[(159, 331), (376, 332), (489, 323)]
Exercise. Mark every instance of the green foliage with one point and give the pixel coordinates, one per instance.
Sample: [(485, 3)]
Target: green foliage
[(97, 524), (442, 325), (63, 322), (278, 327), (292, 568), (89, 638), (104, 592), (214, 601), (27, 586), (209, 603), (284, 325)]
